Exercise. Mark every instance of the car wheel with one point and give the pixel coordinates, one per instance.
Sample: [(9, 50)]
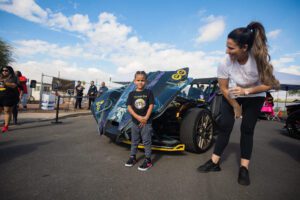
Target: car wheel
[(196, 130), (293, 129), (293, 124)]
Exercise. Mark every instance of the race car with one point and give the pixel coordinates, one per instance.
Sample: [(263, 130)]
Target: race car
[(181, 118)]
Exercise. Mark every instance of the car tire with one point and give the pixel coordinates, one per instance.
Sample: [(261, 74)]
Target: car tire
[(292, 124), (196, 130)]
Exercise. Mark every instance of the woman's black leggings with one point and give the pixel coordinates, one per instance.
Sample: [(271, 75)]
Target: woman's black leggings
[(251, 107)]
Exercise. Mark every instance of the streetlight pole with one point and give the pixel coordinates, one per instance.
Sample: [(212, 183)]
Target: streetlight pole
[(41, 91)]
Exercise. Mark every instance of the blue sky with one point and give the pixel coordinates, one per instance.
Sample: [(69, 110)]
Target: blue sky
[(94, 40)]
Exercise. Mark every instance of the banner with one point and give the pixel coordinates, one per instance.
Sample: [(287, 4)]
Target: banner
[(62, 85)]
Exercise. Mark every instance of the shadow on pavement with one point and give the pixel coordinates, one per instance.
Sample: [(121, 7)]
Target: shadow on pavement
[(37, 125), (11, 152), (285, 133), (286, 147), (3, 143)]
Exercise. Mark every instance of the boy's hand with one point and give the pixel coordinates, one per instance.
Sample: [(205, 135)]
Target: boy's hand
[(144, 120)]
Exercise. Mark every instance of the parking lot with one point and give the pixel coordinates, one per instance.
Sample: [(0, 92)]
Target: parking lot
[(70, 161)]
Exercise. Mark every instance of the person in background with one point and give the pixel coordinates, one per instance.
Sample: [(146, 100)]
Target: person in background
[(92, 93), (15, 108), (269, 98), (248, 66), (8, 93), (79, 95), (23, 81), (102, 89)]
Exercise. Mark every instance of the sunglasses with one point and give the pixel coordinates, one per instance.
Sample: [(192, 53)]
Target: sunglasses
[(5, 70)]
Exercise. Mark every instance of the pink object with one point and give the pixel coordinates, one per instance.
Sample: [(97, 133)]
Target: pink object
[(267, 108)]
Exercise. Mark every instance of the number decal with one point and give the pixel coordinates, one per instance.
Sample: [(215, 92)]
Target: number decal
[(179, 74)]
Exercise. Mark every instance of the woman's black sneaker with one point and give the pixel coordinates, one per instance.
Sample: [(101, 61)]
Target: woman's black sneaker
[(131, 161), (209, 166), (243, 178)]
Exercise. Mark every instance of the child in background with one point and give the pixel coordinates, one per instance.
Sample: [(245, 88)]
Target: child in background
[(140, 104)]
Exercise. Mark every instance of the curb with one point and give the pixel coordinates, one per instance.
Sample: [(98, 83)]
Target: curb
[(53, 119)]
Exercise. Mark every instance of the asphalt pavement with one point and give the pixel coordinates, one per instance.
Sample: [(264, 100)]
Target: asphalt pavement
[(42, 160)]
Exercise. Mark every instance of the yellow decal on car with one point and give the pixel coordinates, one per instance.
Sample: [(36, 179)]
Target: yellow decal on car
[(98, 105), (179, 74)]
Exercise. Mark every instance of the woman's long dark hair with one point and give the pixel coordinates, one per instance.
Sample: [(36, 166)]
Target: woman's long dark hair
[(10, 70), (254, 37)]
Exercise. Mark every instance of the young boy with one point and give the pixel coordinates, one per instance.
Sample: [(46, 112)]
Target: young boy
[(140, 104)]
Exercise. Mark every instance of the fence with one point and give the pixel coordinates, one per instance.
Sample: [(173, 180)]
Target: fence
[(65, 102)]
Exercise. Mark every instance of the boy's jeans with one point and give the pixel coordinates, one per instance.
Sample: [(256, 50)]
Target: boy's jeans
[(136, 134)]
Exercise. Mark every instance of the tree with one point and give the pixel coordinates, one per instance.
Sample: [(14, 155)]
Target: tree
[(294, 92), (5, 53)]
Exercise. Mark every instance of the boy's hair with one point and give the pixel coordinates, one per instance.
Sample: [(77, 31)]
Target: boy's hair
[(140, 73)]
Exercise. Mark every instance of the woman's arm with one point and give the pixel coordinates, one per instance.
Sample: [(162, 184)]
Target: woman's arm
[(239, 91), (11, 85), (223, 84)]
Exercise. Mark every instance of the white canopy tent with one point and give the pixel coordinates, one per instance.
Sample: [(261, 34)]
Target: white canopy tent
[(288, 82)]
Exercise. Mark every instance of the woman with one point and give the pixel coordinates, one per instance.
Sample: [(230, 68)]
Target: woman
[(248, 67), (8, 93)]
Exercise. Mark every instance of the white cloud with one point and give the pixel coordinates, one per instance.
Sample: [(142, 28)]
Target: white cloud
[(274, 34), (30, 48), (293, 69), (58, 20), (212, 30), (67, 70), (80, 23), (282, 62), (27, 9), (110, 41), (286, 63)]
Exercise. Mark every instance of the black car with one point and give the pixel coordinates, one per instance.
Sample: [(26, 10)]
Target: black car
[(293, 119), (182, 114)]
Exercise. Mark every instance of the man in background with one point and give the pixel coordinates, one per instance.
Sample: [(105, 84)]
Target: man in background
[(92, 93), (79, 94), (102, 89)]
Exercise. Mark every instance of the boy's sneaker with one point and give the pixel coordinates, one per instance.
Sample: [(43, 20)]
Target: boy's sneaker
[(209, 166), (131, 161), (146, 165)]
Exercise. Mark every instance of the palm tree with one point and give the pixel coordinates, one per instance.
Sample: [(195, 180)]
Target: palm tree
[(5, 53)]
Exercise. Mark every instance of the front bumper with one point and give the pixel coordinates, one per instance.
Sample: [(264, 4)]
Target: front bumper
[(178, 147)]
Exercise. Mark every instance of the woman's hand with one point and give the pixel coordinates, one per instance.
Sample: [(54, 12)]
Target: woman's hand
[(237, 109), (237, 91)]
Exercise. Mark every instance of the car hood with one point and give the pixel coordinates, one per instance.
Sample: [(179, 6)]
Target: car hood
[(165, 86), (103, 105)]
